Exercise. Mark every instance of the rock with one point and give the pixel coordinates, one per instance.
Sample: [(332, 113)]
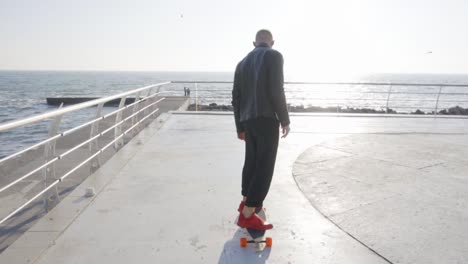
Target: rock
[(456, 110)]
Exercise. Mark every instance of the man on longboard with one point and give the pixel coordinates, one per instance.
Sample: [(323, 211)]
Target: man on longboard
[(259, 108)]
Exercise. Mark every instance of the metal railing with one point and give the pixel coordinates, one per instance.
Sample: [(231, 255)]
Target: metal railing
[(144, 107), (386, 97)]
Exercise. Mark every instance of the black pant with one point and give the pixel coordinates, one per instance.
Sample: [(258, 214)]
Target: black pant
[(261, 145)]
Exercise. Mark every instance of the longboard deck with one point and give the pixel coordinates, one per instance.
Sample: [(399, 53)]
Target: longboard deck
[(255, 233), (258, 236)]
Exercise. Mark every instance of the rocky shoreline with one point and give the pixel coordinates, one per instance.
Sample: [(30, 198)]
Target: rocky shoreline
[(456, 110)]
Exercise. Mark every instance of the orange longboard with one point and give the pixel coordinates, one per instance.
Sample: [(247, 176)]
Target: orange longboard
[(257, 237)]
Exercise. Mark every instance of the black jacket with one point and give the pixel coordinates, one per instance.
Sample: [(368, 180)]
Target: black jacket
[(258, 87)]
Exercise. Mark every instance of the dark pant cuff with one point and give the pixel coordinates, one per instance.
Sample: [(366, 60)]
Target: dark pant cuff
[(253, 203)]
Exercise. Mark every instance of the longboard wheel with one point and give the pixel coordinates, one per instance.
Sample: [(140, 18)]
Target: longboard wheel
[(269, 241), (243, 242)]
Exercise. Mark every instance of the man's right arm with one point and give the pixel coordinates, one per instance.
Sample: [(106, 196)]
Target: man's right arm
[(236, 97)]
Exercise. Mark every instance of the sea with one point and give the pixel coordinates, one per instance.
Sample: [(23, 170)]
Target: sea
[(24, 93)]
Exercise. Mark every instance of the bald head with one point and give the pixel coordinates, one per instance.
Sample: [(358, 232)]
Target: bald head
[(264, 36)]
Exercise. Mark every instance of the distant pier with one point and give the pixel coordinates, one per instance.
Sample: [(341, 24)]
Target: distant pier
[(77, 100)]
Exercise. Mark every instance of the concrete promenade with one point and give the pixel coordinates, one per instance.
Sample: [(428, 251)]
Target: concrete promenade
[(171, 194), (405, 196)]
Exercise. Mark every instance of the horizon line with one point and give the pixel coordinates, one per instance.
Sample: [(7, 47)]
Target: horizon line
[(208, 71)]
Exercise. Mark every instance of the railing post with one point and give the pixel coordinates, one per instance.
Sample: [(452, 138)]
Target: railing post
[(118, 129), (136, 107), (154, 99), (94, 145), (388, 98), (49, 152), (196, 97), (437, 101), (148, 101)]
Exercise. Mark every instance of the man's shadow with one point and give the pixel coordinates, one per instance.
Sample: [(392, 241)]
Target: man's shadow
[(234, 253)]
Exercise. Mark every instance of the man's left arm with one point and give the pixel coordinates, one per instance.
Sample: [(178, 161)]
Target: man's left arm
[(277, 88)]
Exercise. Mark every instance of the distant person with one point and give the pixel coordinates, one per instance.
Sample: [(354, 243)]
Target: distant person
[(185, 91), (259, 108), (188, 91)]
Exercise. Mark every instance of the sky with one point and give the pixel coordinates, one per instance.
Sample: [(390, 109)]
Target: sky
[(327, 37)]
